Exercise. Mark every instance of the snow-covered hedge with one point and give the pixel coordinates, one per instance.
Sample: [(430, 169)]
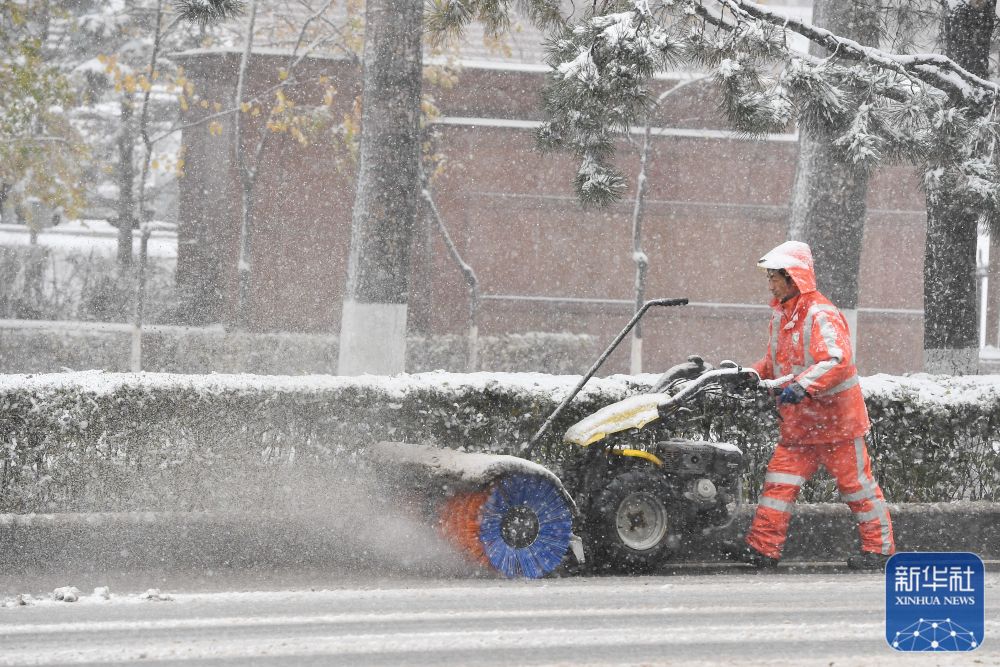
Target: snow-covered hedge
[(45, 347), (39, 282), (117, 442)]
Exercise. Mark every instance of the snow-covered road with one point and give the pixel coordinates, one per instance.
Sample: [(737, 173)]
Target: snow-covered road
[(727, 618)]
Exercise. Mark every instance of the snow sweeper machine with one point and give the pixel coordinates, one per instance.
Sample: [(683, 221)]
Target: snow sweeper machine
[(625, 501)]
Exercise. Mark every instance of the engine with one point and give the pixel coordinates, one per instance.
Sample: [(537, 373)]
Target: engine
[(705, 473)]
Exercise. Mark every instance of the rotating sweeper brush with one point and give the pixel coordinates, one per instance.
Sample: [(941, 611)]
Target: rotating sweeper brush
[(503, 512)]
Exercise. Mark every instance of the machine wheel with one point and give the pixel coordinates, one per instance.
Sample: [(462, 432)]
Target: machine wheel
[(635, 524)]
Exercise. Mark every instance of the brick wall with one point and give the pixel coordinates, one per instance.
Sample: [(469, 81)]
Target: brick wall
[(716, 203)]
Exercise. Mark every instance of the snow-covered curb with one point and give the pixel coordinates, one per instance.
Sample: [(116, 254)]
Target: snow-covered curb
[(820, 532)]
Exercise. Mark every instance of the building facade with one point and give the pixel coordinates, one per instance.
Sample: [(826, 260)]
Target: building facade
[(716, 202)]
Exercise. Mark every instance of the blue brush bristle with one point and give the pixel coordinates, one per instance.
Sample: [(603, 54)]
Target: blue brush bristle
[(555, 525)]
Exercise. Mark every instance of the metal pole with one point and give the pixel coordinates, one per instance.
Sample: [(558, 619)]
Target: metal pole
[(528, 447)]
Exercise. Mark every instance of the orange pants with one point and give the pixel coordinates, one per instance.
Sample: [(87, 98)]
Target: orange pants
[(789, 469)]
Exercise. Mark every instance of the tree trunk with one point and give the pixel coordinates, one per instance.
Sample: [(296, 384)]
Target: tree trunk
[(950, 308), (373, 325), (828, 198), (126, 182)]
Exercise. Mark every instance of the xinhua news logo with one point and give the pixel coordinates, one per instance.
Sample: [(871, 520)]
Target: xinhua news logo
[(934, 602)]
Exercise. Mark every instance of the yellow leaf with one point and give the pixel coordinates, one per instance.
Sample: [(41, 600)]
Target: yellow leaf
[(184, 103), (282, 74), (244, 107), (155, 164), (215, 128), (203, 104), (255, 112), (144, 84), (323, 80)]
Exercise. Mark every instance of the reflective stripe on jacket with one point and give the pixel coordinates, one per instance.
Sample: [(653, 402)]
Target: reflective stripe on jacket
[(809, 338)]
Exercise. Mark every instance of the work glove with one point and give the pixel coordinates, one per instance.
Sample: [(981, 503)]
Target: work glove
[(792, 394)]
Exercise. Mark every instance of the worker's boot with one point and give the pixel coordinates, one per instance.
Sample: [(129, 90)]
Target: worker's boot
[(744, 553), (868, 560)]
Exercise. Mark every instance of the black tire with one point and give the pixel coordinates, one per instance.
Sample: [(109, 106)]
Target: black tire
[(635, 524)]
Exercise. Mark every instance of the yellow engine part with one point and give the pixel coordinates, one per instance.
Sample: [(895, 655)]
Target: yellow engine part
[(639, 454), (632, 412)]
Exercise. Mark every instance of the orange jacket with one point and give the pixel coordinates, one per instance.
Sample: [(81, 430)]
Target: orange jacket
[(809, 339)]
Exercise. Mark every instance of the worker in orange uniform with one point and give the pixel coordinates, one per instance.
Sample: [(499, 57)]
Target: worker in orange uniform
[(823, 419)]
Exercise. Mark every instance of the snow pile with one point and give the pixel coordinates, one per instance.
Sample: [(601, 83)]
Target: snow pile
[(19, 600), (154, 595), (66, 594), (101, 594)]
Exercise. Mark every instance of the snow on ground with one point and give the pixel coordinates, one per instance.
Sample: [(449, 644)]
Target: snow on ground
[(64, 595), (744, 619)]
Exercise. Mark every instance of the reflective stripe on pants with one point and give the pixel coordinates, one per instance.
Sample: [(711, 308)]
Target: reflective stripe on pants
[(791, 465), (870, 510)]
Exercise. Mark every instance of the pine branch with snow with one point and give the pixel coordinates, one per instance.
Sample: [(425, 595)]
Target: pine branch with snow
[(874, 105), (598, 89), (448, 18), (209, 11)]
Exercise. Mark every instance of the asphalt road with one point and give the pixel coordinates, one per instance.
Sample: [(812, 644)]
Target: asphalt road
[(815, 616)]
